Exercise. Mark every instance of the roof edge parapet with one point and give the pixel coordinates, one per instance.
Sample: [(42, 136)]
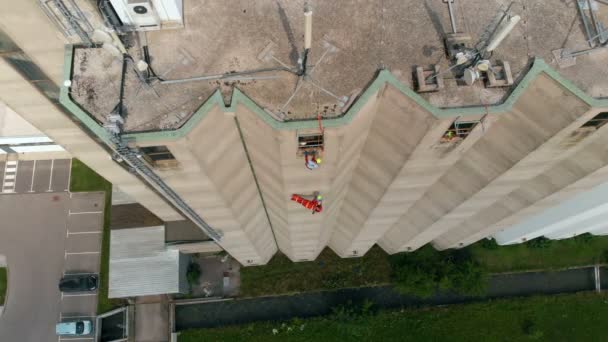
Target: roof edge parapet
[(384, 77)]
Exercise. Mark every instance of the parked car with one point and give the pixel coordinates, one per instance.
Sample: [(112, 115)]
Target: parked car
[(74, 328), (78, 283)]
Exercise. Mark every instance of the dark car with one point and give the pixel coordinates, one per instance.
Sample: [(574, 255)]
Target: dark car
[(78, 283)]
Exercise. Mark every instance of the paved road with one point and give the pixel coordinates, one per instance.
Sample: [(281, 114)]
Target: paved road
[(35, 176), (45, 235)]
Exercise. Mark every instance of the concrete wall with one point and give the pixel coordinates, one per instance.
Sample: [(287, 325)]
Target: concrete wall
[(552, 124), (264, 150), (28, 27), (574, 209), (33, 32), (491, 168), (304, 228), (397, 128), (13, 125), (567, 171), (215, 179), (353, 138), (24, 99)]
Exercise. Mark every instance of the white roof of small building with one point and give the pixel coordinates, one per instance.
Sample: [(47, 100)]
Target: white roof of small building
[(140, 265)]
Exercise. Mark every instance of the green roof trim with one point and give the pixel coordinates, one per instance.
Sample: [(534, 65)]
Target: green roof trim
[(384, 77), (66, 100)]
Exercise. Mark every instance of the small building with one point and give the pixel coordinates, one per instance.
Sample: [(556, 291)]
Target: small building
[(140, 265)]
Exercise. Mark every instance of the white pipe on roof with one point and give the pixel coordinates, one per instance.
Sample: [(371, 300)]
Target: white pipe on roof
[(307, 29), (37, 148), (24, 140), (502, 34)]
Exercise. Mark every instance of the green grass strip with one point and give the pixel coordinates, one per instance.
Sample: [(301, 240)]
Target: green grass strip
[(83, 179), (3, 284), (574, 317)]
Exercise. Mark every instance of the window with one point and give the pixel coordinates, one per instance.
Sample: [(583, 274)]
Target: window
[(597, 121), (585, 130), (459, 130), (310, 141), (79, 328), (159, 157)]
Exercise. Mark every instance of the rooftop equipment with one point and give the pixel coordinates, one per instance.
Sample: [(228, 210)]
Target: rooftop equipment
[(147, 15), (470, 61)]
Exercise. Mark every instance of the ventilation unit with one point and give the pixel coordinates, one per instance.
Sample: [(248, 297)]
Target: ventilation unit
[(143, 15), (146, 15)]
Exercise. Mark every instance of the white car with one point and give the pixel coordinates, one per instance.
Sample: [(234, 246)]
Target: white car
[(74, 328)]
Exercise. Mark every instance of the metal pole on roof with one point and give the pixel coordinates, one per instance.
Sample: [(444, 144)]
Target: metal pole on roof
[(307, 27), (579, 5), (452, 17), (307, 40)]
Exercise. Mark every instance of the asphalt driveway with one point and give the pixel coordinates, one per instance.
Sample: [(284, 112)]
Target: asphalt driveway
[(44, 236), (34, 248)]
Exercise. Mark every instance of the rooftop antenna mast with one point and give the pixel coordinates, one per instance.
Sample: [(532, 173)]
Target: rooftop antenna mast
[(452, 18), (474, 59), (305, 71), (307, 40), (596, 34)]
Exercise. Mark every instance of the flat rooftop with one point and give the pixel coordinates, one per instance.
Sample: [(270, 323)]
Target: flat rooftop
[(351, 42), (140, 265)]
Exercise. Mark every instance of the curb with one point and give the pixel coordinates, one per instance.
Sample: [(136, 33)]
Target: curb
[(200, 300), (3, 265)]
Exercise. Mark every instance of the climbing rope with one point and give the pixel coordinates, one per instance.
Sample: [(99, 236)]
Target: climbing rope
[(320, 120)]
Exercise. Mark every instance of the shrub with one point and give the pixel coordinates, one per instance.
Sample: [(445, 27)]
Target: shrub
[(540, 243), (425, 272), (604, 258), (489, 244), (583, 239), (529, 328), (349, 318), (193, 273)]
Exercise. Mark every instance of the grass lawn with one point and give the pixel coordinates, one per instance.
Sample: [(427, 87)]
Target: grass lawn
[(578, 251), (3, 280), (328, 271), (282, 276), (574, 317), (84, 179)]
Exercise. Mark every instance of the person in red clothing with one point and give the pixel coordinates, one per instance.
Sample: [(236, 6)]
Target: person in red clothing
[(315, 205)]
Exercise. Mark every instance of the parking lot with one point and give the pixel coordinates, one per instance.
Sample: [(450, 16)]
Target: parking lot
[(47, 234), (35, 176), (82, 255)]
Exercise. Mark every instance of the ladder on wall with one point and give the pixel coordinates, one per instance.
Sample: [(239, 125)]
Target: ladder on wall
[(68, 18), (132, 158)]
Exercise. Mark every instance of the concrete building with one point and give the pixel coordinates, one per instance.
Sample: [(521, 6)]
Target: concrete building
[(211, 122), (20, 140)]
